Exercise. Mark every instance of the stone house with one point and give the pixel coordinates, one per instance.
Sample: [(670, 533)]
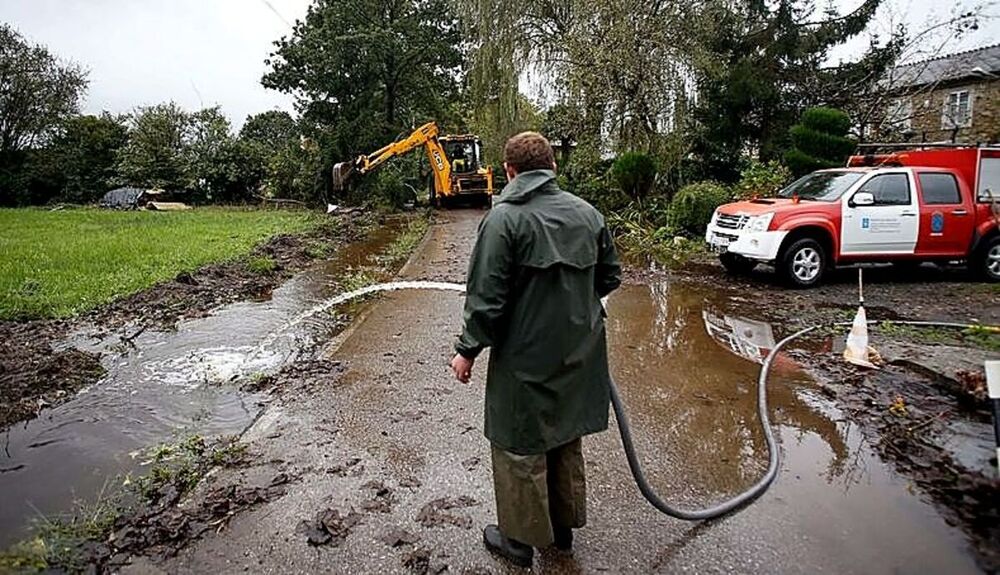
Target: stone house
[(953, 98)]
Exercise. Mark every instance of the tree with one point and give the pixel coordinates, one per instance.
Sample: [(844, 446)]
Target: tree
[(273, 129), (207, 148), (635, 174), (37, 91), (363, 71), (819, 141), (767, 65), (290, 163), (619, 65), (80, 160), (154, 156)]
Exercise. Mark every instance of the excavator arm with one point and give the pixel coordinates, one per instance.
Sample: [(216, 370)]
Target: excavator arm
[(425, 136)]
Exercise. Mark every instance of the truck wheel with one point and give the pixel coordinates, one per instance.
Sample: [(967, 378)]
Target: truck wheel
[(803, 263), (737, 264), (987, 265)]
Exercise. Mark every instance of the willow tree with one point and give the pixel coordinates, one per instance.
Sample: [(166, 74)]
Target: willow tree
[(621, 65)]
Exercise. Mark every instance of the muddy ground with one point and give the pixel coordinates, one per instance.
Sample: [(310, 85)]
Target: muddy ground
[(38, 371), (370, 458), (385, 470)]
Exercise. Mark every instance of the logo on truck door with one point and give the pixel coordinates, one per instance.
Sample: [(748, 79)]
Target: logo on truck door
[(937, 223)]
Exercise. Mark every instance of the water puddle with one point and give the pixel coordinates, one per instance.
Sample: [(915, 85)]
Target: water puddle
[(686, 359), (165, 386)]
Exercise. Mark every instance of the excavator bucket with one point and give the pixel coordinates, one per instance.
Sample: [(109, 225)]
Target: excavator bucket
[(341, 173)]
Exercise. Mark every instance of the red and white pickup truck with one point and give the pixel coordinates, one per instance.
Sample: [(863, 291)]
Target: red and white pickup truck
[(905, 207)]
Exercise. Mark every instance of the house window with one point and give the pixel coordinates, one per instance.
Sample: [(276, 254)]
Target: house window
[(957, 110), (901, 115)]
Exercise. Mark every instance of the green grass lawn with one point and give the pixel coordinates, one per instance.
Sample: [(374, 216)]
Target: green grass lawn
[(56, 264)]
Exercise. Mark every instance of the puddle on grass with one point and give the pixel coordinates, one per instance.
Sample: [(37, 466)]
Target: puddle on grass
[(686, 359), (165, 387)]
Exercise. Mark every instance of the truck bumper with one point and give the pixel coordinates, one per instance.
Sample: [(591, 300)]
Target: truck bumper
[(759, 246)]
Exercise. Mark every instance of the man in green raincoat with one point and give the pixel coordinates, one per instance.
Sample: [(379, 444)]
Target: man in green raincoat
[(542, 262)]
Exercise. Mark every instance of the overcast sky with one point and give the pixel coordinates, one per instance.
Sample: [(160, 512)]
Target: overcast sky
[(207, 52)]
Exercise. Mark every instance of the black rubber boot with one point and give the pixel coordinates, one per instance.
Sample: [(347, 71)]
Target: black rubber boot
[(563, 538), (517, 553)]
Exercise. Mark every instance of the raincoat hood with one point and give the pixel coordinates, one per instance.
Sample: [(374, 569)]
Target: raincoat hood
[(526, 185)]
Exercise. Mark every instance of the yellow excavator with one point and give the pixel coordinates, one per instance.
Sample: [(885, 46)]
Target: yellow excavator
[(457, 170)]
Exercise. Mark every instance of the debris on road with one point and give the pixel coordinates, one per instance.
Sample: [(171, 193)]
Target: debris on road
[(329, 527), (435, 513), (397, 536), (382, 497), (349, 467)]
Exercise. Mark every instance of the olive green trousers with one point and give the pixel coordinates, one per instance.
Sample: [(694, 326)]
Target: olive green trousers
[(535, 493)]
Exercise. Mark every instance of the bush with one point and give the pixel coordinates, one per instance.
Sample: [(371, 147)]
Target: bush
[(829, 120), (821, 144), (598, 194), (693, 206), (801, 163), (635, 174), (819, 141), (760, 180), (386, 189)]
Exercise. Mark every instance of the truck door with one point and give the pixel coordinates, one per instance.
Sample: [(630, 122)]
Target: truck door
[(946, 221), (889, 225)]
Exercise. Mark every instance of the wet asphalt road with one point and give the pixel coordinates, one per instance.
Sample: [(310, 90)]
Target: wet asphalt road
[(395, 416)]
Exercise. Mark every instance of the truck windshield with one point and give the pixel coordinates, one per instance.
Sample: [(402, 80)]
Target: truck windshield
[(821, 186)]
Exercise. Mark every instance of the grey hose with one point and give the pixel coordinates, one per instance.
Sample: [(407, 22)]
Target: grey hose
[(757, 489)]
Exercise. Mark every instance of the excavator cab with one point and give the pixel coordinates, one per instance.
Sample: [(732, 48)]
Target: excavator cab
[(463, 152)]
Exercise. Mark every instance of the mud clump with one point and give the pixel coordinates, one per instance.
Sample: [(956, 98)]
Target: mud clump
[(438, 512), (33, 375), (397, 537), (306, 372), (422, 562), (328, 527), (351, 467), (166, 530), (382, 497)]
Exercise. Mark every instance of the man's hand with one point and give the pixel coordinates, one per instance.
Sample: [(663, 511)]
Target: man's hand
[(462, 367)]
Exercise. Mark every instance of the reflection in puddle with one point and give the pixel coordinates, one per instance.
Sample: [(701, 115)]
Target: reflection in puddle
[(686, 360), (746, 338), (689, 372)]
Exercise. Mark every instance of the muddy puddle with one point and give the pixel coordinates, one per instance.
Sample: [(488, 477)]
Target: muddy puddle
[(686, 359), (164, 386)]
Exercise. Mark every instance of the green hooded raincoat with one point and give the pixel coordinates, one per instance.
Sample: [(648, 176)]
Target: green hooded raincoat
[(542, 261)]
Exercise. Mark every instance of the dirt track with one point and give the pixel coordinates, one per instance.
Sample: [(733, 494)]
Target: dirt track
[(389, 471)]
